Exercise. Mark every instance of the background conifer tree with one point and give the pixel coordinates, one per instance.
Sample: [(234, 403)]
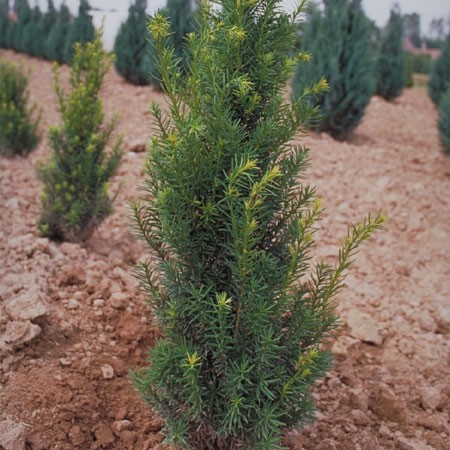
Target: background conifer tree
[(4, 23), (81, 30), (32, 37), (230, 225), (45, 26), (440, 74), (181, 17), (390, 68), (133, 59), (444, 121), (75, 198), (16, 29), (18, 127), (338, 40), (56, 40)]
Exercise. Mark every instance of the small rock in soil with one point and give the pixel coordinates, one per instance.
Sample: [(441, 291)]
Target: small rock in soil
[(403, 443), (119, 300), (128, 438), (107, 372), (387, 405), (26, 306), (364, 328), (103, 434), (65, 362), (18, 333), (431, 398), (12, 435), (443, 319), (435, 422), (120, 425), (76, 436)]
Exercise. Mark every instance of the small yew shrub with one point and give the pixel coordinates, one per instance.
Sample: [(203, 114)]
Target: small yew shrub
[(338, 40), (229, 221), (444, 121), (18, 129), (75, 198), (440, 74), (391, 59)]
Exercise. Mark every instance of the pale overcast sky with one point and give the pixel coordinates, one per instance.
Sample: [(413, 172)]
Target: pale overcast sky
[(377, 10)]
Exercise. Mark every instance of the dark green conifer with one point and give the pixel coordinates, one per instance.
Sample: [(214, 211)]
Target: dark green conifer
[(444, 121), (440, 74), (16, 29), (75, 197), (230, 224), (81, 30), (56, 40), (4, 23), (46, 25), (338, 40), (390, 68), (32, 37), (131, 47), (181, 17)]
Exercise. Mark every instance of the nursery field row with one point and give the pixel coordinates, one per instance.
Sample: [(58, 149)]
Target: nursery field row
[(84, 324)]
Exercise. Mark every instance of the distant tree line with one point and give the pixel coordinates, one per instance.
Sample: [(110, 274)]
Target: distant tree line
[(50, 35)]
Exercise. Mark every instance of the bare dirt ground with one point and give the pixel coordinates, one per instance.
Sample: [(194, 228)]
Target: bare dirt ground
[(82, 323)]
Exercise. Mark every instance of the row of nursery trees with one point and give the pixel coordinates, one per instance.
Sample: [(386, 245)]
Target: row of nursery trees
[(229, 218), (50, 35), (340, 37)]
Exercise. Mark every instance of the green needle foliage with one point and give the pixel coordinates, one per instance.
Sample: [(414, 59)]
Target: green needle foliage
[(75, 198), (133, 59), (4, 23), (32, 39), (444, 121), (47, 23), (81, 30), (440, 74), (18, 130), (229, 222), (339, 40), (56, 40), (391, 59), (16, 35)]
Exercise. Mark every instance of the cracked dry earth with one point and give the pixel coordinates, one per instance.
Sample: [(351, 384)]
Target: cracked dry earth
[(73, 323)]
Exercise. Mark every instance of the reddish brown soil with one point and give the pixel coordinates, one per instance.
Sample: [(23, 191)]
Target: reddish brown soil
[(390, 386)]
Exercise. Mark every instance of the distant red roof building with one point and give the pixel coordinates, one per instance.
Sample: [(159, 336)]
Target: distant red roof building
[(409, 47)]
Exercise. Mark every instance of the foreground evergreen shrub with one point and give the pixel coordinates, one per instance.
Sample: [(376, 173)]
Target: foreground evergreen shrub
[(339, 40), (444, 121), (391, 60), (75, 198), (230, 225), (133, 59), (18, 130), (81, 30), (440, 74)]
